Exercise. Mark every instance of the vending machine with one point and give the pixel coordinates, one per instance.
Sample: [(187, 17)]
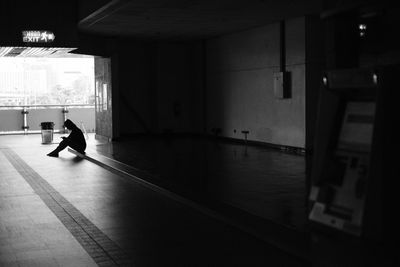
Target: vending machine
[(353, 170)]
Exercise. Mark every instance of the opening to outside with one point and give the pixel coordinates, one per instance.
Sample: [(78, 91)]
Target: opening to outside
[(41, 89)]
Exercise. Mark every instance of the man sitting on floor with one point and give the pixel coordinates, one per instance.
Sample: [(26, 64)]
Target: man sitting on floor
[(75, 140)]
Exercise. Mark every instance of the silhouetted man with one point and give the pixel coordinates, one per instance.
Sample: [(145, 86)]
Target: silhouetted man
[(75, 140)]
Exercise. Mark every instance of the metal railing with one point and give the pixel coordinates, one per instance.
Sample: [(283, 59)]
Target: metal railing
[(27, 119)]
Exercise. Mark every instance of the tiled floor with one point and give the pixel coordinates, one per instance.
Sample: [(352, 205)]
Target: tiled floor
[(70, 212)]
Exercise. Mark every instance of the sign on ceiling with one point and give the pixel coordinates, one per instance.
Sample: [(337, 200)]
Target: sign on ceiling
[(38, 36)]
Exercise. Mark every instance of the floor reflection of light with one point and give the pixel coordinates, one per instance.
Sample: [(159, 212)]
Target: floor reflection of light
[(90, 188), (261, 181)]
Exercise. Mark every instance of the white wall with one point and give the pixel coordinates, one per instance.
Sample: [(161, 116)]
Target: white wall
[(240, 93)]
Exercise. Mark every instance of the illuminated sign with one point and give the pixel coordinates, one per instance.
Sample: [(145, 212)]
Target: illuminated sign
[(38, 37)]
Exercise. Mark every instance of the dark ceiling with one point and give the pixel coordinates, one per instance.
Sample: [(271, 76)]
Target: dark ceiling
[(190, 19)]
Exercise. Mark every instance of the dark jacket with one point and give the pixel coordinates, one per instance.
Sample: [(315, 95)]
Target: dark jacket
[(76, 140)]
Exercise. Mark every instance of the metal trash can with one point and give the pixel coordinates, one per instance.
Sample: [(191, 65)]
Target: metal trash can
[(47, 132)]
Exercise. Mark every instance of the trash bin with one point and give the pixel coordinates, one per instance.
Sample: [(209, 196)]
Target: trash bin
[(47, 132)]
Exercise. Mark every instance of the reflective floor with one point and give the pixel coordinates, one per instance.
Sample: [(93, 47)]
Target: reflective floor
[(70, 212), (261, 181)]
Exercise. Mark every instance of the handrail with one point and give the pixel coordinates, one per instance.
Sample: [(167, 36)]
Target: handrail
[(50, 105)]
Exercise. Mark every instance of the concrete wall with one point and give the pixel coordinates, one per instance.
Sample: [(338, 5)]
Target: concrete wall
[(160, 87), (137, 88), (240, 93), (180, 87), (315, 64), (224, 82)]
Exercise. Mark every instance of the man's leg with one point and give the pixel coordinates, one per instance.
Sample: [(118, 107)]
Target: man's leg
[(77, 147), (63, 144)]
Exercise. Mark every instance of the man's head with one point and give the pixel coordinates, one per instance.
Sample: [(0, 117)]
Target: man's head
[(69, 124)]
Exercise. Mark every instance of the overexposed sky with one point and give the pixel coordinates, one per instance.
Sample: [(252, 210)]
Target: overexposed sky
[(64, 70), (83, 65)]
